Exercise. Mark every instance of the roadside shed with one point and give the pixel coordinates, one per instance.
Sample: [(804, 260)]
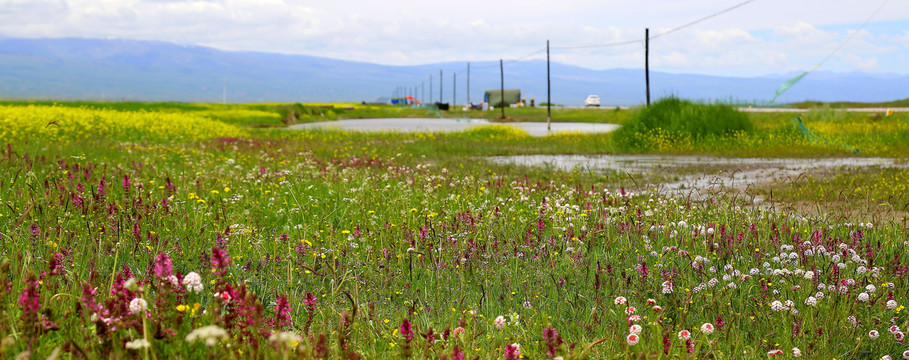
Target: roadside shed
[(494, 97)]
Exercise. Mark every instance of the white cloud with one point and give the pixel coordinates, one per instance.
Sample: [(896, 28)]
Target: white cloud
[(758, 38)]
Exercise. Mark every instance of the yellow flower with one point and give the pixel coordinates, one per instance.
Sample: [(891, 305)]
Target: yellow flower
[(182, 308)]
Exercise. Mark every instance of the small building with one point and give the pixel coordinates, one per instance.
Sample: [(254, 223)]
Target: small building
[(494, 97)]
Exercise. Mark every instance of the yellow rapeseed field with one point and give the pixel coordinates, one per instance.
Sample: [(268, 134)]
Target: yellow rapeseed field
[(55, 123)]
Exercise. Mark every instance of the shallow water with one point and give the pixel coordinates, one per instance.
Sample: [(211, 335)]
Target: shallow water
[(726, 173), (437, 125)]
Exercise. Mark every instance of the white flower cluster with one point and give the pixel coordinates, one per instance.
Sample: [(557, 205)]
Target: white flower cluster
[(288, 338), (137, 344), (193, 282), (209, 334), (137, 305)]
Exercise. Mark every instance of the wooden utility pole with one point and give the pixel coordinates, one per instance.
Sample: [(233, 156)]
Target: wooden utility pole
[(647, 62), (548, 92), (440, 86), (454, 89), (502, 93), (468, 83)]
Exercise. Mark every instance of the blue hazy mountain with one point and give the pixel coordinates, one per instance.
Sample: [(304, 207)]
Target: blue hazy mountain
[(100, 69)]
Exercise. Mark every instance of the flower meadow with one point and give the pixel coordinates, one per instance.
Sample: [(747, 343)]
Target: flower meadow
[(242, 244)]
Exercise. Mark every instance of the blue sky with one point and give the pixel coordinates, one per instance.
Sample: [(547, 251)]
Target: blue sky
[(761, 37)]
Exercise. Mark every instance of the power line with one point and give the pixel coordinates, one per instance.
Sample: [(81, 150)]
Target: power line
[(628, 42), (703, 18), (854, 33)]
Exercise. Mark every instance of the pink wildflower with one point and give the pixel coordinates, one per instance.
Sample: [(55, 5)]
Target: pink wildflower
[(513, 352)]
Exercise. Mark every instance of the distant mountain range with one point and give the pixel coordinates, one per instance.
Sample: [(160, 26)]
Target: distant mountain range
[(95, 69)]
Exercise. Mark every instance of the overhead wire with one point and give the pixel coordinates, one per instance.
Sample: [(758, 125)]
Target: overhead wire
[(625, 42)]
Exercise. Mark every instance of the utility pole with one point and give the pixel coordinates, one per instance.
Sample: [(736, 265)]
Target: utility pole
[(647, 62), (422, 92), (548, 92), (440, 86), (468, 83), (502, 93), (430, 88)]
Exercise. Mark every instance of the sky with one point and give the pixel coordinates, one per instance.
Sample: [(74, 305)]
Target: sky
[(761, 37)]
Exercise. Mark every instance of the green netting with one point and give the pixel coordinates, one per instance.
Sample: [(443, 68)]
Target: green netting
[(821, 139), (786, 85)]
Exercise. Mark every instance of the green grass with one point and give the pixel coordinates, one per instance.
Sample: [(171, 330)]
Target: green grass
[(380, 228), (844, 104)]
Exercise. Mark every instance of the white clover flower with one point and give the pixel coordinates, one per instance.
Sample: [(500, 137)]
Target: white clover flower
[(811, 301), (863, 297), (632, 339), (137, 305), (755, 272), (819, 295), (713, 282), (861, 270), (809, 275), (776, 305), (193, 282), (620, 300), (635, 329), (731, 285), (727, 277), (891, 304), (873, 334), (499, 322), (209, 334), (871, 288), (707, 328), (796, 352)]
